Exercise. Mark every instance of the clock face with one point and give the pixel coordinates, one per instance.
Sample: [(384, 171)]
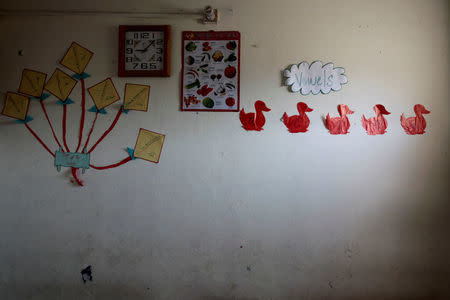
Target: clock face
[(144, 50)]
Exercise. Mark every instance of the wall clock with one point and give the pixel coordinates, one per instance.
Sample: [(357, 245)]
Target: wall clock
[(144, 50)]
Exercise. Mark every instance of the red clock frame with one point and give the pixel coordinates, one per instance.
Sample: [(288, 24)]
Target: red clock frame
[(165, 72)]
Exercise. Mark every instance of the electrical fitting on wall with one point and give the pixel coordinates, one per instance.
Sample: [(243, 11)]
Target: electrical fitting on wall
[(210, 15)]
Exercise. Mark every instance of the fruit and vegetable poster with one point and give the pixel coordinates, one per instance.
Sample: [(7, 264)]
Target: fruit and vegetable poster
[(210, 80)]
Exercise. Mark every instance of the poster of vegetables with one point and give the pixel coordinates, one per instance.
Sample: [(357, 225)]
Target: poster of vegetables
[(210, 80)]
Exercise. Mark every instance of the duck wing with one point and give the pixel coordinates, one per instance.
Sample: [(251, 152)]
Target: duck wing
[(247, 120)]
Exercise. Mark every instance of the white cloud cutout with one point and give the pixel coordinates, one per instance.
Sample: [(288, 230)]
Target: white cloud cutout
[(315, 78)]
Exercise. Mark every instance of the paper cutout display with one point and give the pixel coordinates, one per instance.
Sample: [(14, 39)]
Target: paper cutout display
[(104, 93), (300, 122), (315, 78), (417, 124), (210, 73), (72, 160), (76, 58), (32, 83), (254, 121), (16, 106), (136, 97), (339, 125), (149, 145), (378, 124), (60, 84)]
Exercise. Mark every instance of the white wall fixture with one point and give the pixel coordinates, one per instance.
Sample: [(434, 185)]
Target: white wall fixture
[(315, 78)]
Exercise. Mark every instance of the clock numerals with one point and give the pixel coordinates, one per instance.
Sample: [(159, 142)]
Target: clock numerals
[(143, 50)]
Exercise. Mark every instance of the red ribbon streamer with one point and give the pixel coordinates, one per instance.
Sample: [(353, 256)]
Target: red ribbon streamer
[(39, 140), (107, 131), (49, 123), (83, 112), (90, 131), (64, 127), (75, 176), (123, 161)]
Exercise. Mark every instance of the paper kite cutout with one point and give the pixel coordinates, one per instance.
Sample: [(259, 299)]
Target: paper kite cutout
[(376, 125), (300, 122), (417, 124), (16, 106), (149, 145), (32, 83), (60, 84), (104, 93), (76, 58), (339, 125), (254, 121), (136, 97)]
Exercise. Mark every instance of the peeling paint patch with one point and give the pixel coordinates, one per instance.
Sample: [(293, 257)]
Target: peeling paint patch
[(86, 274)]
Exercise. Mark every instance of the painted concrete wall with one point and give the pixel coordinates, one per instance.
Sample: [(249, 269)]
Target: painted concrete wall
[(230, 214)]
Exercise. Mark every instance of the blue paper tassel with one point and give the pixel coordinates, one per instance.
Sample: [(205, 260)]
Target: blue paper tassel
[(43, 97), (94, 109), (131, 153), (82, 76), (27, 119), (67, 102)]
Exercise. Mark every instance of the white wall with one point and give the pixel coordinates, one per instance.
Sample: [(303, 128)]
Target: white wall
[(317, 216)]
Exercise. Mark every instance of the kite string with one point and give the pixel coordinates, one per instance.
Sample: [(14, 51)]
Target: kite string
[(107, 131), (39, 140), (64, 126), (49, 123), (75, 176), (123, 161), (90, 131), (83, 112)]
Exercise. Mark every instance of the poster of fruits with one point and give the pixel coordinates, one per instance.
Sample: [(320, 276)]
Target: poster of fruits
[(210, 80)]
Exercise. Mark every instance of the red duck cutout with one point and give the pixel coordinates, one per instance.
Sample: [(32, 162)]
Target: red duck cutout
[(339, 125), (378, 124), (254, 121), (417, 124), (300, 122)]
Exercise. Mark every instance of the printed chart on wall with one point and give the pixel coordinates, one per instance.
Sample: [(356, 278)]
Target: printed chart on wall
[(210, 80)]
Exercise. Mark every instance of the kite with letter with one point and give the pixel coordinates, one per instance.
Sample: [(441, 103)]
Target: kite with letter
[(103, 94)]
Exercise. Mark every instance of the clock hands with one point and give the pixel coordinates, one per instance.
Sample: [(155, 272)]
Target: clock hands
[(146, 48)]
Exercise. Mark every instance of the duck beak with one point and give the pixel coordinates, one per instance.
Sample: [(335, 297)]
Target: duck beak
[(350, 111), (425, 111), (265, 108), (309, 109)]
